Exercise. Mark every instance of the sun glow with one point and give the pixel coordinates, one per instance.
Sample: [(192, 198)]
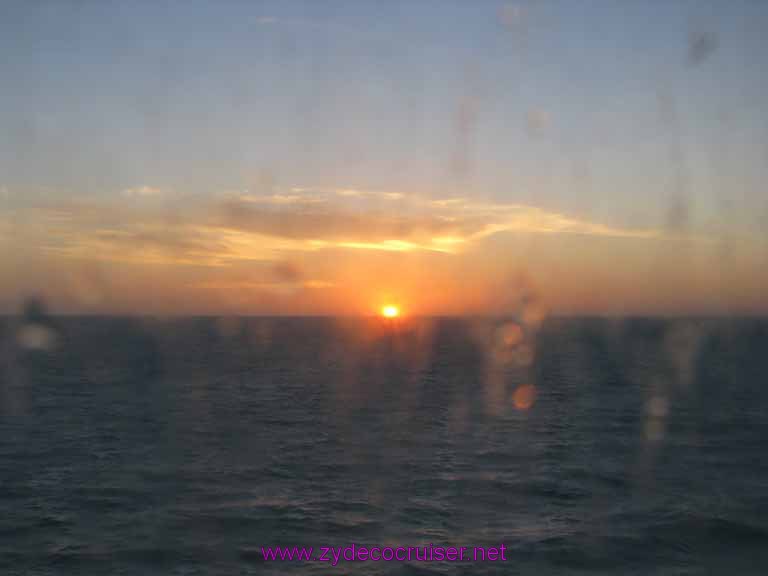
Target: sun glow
[(390, 311)]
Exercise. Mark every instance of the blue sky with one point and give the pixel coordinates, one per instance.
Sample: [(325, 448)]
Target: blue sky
[(615, 112)]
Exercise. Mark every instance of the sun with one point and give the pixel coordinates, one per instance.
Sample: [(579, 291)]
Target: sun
[(390, 311)]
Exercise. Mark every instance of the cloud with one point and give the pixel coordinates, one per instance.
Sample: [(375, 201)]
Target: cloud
[(383, 245), (293, 196), (139, 244), (415, 224), (237, 228), (335, 223), (142, 192), (319, 284)]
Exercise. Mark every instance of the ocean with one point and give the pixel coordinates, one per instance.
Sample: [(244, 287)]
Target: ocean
[(185, 445)]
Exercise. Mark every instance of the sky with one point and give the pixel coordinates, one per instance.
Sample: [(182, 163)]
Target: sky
[(333, 157)]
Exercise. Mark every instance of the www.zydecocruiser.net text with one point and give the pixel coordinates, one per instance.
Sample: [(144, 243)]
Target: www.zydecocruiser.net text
[(355, 553)]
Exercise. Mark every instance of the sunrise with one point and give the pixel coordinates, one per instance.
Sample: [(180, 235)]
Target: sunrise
[(407, 287)]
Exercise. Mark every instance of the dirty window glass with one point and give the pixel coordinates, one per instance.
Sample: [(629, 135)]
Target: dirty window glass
[(415, 287)]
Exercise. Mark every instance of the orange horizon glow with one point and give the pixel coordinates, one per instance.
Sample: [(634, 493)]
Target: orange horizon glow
[(197, 268)]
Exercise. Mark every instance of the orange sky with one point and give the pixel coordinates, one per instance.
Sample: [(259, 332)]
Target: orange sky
[(300, 251)]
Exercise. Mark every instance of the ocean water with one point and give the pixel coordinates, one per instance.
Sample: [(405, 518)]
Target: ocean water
[(182, 446)]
